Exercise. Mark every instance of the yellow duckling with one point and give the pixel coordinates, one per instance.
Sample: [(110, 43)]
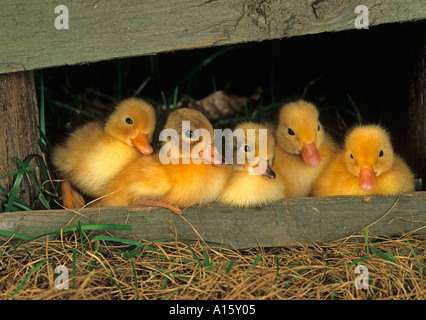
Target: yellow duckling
[(367, 165), (303, 148), (252, 181), (93, 154), (187, 170)]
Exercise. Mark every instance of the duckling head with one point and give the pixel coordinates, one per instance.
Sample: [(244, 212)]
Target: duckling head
[(191, 136), (254, 148), (300, 132), (133, 122), (368, 154)]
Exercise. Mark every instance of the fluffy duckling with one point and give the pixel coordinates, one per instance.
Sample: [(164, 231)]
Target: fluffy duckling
[(186, 171), (303, 148), (252, 181), (367, 165), (93, 154)]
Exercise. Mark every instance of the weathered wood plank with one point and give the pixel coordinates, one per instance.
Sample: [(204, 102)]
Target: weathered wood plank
[(286, 223), (19, 132), (417, 104), (110, 29)]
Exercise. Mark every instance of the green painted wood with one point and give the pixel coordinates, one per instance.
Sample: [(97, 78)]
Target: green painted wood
[(107, 29), (286, 223)]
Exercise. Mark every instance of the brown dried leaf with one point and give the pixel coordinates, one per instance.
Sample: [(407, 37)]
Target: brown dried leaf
[(219, 105)]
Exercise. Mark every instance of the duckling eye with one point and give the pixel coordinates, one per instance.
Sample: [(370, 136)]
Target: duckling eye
[(352, 156), (247, 148), (129, 121), (319, 127), (290, 132), (190, 134), (381, 153)]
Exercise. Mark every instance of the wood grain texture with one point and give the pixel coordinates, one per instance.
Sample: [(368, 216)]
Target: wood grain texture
[(19, 120), (107, 29), (416, 133), (286, 223)]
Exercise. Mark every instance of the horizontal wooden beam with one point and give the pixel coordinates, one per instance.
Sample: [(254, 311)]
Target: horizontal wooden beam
[(286, 223), (107, 29)]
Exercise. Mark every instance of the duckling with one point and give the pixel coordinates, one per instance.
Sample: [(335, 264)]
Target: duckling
[(187, 170), (366, 165), (93, 154), (252, 181), (303, 147)]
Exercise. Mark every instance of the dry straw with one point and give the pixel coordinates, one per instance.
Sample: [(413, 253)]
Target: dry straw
[(104, 267)]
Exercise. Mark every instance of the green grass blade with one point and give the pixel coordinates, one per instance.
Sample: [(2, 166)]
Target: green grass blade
[(214, 87), (135, 278), (166, 104), (358, 261), (253, 265), (206, 259), (10, 174), (80, 233), (15, 235), (193, 253), (175, 97), (24, 166), (74, 266), (418, 184), (88, 227), (419, 264), (78, 111), (18, 203), (388, 257), (24, 281), (230, 265), (116, 284), (277, 272), (132, 253), (13, 193), (358, 114), (366, 241), (108, 238)]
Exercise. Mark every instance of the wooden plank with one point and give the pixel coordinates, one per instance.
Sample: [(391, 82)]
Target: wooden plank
[(416, 132), (110, 29), (19, 132), (286, 223)]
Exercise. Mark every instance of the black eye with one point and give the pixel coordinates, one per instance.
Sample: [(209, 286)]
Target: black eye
[(290, 132), (381, 153), (352, 156), (319, 127), (247, 148), (129, 121), (190, 134)]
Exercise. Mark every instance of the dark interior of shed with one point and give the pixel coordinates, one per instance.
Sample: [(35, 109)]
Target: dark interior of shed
[(352, 76)]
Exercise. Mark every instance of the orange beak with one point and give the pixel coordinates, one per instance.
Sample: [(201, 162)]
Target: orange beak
[(264, 169), (211, 155), (141, 142), (367, 178), (310, 154)]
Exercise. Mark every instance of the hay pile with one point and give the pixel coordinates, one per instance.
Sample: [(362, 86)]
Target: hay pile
[(104, 267)]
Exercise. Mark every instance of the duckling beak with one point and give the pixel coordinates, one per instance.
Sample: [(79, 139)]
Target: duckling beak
[(263, 168), (367, 178), (211, 155), (310, 154), (141, 142)]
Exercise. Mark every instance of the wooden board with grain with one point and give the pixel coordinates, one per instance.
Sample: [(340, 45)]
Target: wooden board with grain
[(99, 30), (286, 223), (19, 132)]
